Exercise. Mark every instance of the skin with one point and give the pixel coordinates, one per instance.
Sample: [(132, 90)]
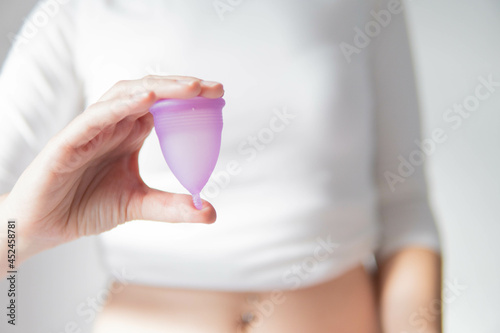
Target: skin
[(344, 304), (400, 298), (409, 291), (86, 181)]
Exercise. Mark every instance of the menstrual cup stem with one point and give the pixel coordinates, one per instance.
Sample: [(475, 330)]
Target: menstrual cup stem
[(197, 201)]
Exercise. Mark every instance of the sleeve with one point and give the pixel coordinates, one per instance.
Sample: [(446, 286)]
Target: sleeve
[(39, 88), (405, 215)]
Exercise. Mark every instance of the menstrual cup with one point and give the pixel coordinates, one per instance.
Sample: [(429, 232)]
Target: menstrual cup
[(189, 131)]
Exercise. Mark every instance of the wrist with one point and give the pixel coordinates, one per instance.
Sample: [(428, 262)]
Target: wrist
[(15, 245)]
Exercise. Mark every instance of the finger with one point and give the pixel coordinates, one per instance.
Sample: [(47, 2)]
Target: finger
[(140, 131), (155, 205), (103, 115), (157, 84), (211, 89), (107, 113), (178, 77)]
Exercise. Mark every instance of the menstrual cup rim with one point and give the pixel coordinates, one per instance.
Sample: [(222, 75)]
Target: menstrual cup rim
[(174, 104)]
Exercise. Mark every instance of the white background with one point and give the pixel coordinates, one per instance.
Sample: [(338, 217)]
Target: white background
[(454, 42)]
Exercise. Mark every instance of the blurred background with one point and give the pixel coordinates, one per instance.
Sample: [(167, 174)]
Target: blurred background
[(455, 43)]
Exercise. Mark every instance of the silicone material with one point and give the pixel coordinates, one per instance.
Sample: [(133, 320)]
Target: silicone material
[(189, 131)]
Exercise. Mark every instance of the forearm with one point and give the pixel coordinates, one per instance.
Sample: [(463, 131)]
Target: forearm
[(409, 285)]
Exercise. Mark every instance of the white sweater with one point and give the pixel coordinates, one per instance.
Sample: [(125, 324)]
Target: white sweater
[(318, 166)]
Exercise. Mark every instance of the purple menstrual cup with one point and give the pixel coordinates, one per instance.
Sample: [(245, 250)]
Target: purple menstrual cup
[(189, 131)]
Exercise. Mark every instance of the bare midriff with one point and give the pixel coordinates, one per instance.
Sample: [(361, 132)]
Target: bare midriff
[(344, 304)]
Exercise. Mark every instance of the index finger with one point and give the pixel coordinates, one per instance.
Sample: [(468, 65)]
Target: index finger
[(157, 84)]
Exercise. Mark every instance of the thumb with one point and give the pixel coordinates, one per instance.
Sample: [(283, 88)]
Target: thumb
[(155, 205)]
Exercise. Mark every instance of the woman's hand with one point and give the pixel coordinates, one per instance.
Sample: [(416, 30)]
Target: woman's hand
[(86, 179)]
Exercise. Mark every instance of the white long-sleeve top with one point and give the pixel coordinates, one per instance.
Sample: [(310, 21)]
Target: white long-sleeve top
[(321, 115)]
